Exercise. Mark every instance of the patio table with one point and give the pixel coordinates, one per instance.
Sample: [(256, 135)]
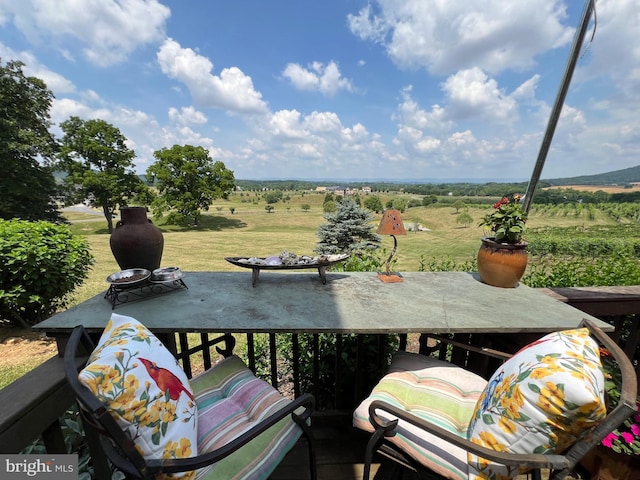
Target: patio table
[(349, 302)]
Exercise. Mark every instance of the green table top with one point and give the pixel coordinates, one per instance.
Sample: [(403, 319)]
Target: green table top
[(350, 302)]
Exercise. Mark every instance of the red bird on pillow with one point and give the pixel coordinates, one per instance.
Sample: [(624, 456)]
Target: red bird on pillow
[(165, 380)]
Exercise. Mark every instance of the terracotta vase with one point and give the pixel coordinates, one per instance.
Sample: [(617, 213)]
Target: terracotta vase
[(605, 464), (501, 264), (136, 242)]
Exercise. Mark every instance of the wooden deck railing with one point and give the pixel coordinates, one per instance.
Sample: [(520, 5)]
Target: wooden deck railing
[(617, 305), (32, 405)]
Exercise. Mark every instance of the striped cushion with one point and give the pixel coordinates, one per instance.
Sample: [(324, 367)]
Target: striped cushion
[(231, 400), (436, 391)]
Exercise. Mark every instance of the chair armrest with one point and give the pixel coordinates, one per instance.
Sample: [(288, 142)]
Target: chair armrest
[(305, 401), (512, 459)]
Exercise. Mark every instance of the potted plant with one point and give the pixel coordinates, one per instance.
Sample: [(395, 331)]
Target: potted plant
[(502, 258), (618, 455)]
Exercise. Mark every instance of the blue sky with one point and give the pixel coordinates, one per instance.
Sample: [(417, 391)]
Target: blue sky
[(351, 89)]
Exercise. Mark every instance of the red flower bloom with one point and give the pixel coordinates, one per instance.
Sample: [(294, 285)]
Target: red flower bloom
[(506, 221), (504, 201)]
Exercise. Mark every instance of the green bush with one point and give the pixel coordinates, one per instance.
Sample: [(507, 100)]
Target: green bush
[(615, 269), (363, 261), (41, 263)]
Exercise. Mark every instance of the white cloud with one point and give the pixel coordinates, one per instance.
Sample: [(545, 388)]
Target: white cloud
[(32, 68), (187, 136), (470, 96), (186, 116), (123, 118), (572, 117), (441, 139), (232, 90), (107, 30), (367, 25), (286, 123), (325, 122), (357, 134), (414, 141), (300, 77), (320, 77), (411, 114), (472, 93), (444, 37), (63, 108), (527, 90), (290, 144)]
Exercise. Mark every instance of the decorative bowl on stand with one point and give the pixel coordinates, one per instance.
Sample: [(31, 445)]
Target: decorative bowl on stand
[(256, 264), (166, 274), (128, 278)]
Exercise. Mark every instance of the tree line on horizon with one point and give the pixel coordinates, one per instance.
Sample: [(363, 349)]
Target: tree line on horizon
[(487, 191)]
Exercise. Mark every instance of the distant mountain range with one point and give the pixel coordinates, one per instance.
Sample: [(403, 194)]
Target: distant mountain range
[(617, 177)]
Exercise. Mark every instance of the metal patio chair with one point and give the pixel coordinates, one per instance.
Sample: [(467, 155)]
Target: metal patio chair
[(424, 412), (103, 430)]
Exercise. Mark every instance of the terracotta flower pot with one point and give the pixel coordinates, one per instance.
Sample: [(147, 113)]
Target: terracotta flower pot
[(501, 264), (136, 242)]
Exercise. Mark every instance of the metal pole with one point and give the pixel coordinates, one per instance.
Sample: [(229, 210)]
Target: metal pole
[(557, 107)]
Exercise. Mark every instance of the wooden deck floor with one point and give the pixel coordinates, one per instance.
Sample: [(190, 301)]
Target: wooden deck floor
[(340, 455)]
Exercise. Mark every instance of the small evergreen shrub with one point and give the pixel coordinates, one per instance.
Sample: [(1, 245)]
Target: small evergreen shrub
[(348, 229), (42, 263)]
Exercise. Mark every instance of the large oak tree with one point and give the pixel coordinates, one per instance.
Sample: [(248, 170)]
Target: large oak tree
[(27, 147), (99, 165), (188, 181)]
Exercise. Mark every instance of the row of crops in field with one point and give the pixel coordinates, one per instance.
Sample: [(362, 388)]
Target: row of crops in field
[(585, 242), (619, 212), (588, 255)]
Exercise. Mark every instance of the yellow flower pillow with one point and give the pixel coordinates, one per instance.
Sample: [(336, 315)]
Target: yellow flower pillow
[(539, 401), (144, 388)]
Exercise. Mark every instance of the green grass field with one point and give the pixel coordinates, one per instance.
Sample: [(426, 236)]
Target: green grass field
[(251, 231)]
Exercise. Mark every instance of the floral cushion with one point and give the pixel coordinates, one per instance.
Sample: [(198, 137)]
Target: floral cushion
[(539, 401), (145, 390)]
